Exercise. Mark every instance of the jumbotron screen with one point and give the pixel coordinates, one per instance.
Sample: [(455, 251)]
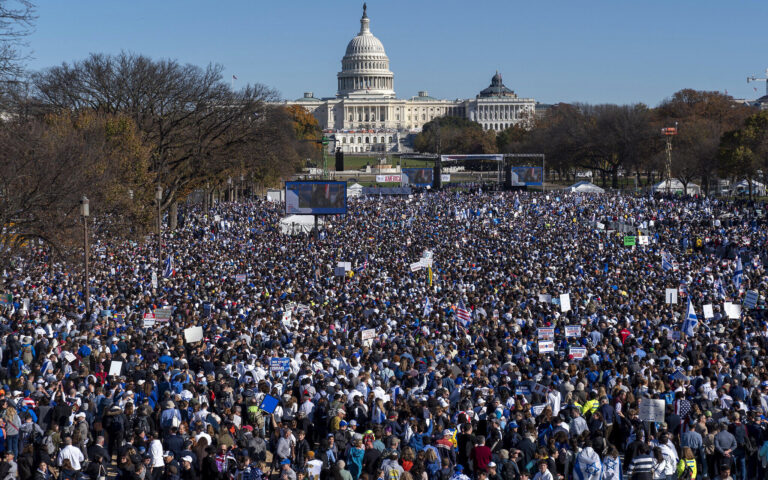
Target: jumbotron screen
[(419, 177), (316, 198)]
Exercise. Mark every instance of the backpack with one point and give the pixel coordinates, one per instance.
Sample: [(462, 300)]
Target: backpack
[(686, 474), (393, 474)]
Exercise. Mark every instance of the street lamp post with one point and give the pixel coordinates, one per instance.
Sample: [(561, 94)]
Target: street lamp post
[(159, 199), (85, 212)]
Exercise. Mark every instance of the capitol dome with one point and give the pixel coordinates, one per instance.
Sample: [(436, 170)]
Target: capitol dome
[(365, 66)]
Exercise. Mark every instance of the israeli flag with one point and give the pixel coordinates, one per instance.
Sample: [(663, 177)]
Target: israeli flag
[(719, 288), (168, 270), (427, 307), (666, 265), (738, 274), (691, 320)]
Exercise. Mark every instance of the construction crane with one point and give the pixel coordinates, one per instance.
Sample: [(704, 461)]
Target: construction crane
[(755, 79)]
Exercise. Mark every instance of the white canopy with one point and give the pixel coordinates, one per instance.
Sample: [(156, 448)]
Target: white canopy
[(585, 187), (742, 188), (294, 224), (674, 185), (355, 190)]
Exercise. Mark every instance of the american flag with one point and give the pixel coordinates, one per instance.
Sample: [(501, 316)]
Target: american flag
[(463, 314)]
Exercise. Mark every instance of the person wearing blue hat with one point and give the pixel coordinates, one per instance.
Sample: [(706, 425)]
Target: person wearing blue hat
[(459, 473), (286, 472)]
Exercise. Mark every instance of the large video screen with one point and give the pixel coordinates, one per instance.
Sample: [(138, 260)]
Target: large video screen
[(527, 176), (419, 177), (315, 198)]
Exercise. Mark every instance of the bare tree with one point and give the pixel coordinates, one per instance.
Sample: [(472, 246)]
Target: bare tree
[(198, 127), (17, 18)]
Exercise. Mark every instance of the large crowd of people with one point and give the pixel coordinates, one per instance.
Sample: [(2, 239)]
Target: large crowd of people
[(437, 336)]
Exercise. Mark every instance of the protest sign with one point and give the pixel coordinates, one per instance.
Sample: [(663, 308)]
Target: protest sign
[(732, 310), (577, 353), (69, 357), (269, 404), (572, 331), (537, 409), (367, 336), (708, 311), (522, 390), (545, 298), (347, 266), (279, 364), (115, 367), (154, 280), (546, 333), (540, 389), (339, 272), (6, 299), (643, 240), (163, 314), (750, 299), (671, 296), (565, 302), (240, 278), (193, 334), (630, 241), (651, 410), (416, 266), (546, 346)]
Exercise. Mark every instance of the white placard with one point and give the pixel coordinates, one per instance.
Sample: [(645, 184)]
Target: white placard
[(572, 331), (115, 367), (154, 280), (545, 298), (708, 311), (347, 266), (537, 409), (643, 240), (69, 357), (193, 334), (367, 336), (546, 346), (149, 322), (671, 296), (416, 266), (540, 389), (577, 353), (565, 302), (651, 410), (733, 310), (600, 226)]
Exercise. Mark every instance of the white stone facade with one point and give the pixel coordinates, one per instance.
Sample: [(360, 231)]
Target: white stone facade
[(366, 116)]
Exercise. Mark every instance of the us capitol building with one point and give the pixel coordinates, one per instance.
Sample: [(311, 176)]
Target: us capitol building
[(366, 116)]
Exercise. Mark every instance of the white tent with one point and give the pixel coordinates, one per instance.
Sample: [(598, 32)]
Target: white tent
[(674, 185), (742, 188), (585, 187), (294, 224), (355, 190)]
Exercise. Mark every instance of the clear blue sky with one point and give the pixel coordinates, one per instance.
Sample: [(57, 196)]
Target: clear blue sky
[(596, 51)]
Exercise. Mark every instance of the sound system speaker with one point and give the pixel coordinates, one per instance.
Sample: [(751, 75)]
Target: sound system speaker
[(508, 177), (436, 177), (339, 160)]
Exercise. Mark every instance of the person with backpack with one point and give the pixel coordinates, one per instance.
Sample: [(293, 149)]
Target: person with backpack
[(686, 467)]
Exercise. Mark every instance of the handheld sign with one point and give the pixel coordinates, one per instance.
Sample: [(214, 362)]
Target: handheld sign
[(240, 278), (154, 280), (163, 314), (545, 298), (540, 389), (367, 336), (149, 320), (565, 302), (733, 310), (630, 241), (577, 353), (546, 333), (546, 346), (651, 410), (193, 334), (750, 300), (269, 404), (339, 272), (114, 368), (416, 266), (671, 296), (708, 311), (279, 364), (572, 331)]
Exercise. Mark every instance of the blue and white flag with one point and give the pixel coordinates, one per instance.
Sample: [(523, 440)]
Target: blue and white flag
[(666, 263), (427, 307), (168, 270), (719, 288), (738, 274), (691, 320)]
